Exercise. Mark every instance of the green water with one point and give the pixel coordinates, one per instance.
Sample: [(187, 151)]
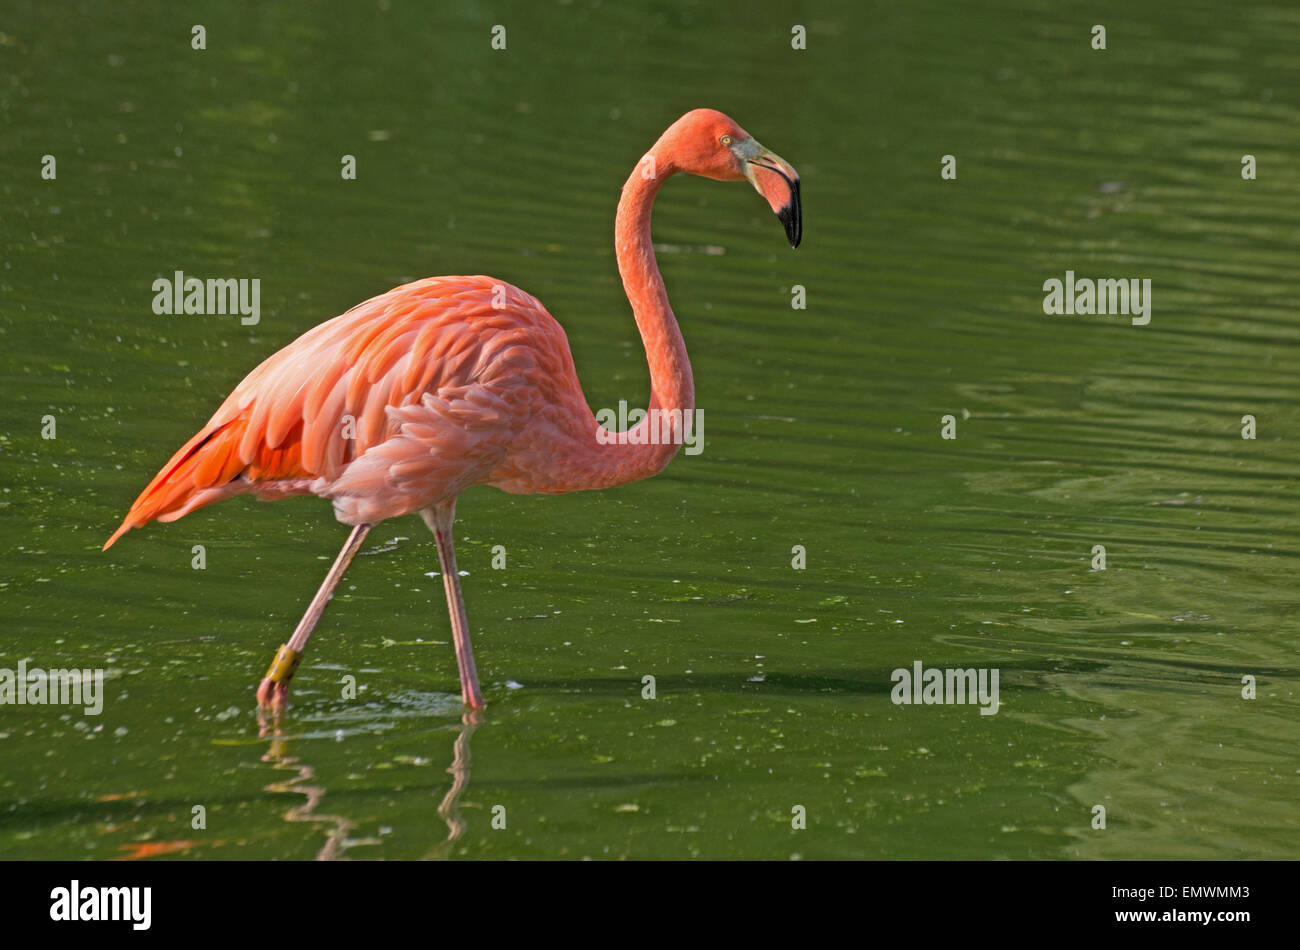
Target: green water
[(1120, 688)]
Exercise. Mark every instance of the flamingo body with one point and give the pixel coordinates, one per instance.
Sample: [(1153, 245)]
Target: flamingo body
[(404, 401)]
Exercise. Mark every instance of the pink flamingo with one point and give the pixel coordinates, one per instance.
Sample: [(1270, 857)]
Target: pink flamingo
[(409, 398)]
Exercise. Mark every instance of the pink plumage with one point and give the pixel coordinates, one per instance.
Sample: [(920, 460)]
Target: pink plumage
[(401, 403)]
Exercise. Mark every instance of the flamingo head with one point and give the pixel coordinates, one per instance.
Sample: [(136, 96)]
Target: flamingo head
[(707, 143)]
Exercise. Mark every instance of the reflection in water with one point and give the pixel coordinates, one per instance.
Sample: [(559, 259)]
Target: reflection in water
[(339, 828), (277, 755), (449, 810)]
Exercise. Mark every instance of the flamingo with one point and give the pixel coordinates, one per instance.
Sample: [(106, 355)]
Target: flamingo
[(404, 401)]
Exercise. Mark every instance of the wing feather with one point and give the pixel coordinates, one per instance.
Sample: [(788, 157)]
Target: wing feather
[(437, 380)]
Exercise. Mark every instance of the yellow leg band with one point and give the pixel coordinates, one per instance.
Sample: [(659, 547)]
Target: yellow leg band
[(284, 665)]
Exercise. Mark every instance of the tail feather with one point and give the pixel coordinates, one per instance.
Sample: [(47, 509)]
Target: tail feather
[(208, 460)]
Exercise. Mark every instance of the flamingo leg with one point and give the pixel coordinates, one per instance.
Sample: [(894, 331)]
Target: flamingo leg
[(273, 693), (439, 519)]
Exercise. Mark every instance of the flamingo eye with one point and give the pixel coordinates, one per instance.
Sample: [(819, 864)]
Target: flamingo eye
[(727, 140)]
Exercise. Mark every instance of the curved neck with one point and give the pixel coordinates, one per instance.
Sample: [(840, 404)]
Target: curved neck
[(647, 447), (570, 449), (671, 383)]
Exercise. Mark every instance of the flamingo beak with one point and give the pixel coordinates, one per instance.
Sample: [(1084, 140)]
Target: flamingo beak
[(777, 181)]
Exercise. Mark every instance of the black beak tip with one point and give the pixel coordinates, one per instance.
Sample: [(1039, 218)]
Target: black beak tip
[(792, 216)]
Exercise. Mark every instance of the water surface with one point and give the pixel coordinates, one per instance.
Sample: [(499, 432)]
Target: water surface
[(1119, 688)]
